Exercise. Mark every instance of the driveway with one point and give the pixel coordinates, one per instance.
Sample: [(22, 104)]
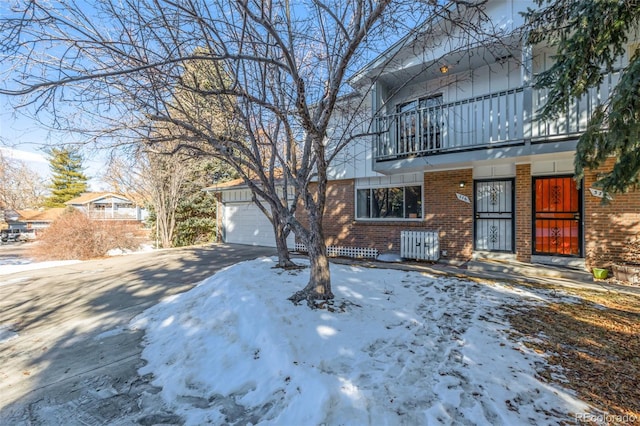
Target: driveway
[(66, 354)]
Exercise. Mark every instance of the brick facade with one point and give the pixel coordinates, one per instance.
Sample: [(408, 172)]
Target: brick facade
[(341, 228), (606, 227), (445, 213), (524, 201), (609, 227)]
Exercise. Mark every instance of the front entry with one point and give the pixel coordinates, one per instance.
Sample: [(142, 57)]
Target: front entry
[(557, 216), (493, 205)]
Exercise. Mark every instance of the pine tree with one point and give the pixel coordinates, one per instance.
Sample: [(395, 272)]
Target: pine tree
[(68, 180), (590, 37), (196, 212)]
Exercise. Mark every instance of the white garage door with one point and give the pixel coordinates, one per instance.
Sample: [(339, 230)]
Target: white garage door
[(244, 223)]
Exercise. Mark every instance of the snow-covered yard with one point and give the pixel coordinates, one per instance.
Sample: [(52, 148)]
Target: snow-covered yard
[(396, 348)]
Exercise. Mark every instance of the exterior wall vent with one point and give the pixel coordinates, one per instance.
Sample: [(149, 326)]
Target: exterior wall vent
[(420, 245)]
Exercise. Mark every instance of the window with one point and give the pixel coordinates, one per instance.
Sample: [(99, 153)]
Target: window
[(398, 202)]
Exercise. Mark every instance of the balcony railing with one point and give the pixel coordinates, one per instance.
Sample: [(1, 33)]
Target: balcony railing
[(119, 214), (574, 121), (495, 119)]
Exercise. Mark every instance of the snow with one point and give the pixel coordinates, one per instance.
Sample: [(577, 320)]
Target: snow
[(6, 334), (15, 264), (26, 265), (144, 248), (396, 348), (389, 257)]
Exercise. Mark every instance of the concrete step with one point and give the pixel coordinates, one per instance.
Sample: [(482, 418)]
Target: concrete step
[(528, 269)]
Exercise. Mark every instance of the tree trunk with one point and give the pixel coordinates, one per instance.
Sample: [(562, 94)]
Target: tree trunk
[(284, 259), (319, 286)]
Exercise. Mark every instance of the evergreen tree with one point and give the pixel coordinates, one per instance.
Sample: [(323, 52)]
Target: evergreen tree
[(590, 38), (68, 180), (196, 212)]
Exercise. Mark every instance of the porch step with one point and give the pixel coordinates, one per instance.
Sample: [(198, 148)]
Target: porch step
[(527, 269)]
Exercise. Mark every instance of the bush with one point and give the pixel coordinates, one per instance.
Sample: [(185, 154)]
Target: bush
[(75, 236)]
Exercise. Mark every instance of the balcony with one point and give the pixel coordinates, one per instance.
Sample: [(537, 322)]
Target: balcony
[(116, 214), (497, 119)]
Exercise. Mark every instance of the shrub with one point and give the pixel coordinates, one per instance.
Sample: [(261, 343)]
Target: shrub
[(75, 236)]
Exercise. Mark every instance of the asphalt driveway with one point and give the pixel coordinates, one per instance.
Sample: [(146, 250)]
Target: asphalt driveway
[(66, 354)]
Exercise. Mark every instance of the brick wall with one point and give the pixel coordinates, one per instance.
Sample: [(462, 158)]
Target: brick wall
[(609, 227), (523, 208), (341, 228), (452, 218)]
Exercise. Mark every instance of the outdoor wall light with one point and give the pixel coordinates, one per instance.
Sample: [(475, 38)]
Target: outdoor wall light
[(462, 184), (444, 69)]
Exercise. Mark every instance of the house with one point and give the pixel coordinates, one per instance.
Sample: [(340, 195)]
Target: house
[(461, 152), (108, 206), (31, 222)]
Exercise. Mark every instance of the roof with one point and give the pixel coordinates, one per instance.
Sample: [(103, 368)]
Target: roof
[(89, 197), (48, 215), (239, 183), (232, 184)]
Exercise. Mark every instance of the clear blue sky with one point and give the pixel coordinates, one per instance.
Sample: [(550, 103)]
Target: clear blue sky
[(24, 139)]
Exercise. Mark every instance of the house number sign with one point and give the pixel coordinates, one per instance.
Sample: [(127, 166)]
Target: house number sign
[(463, 197), (599, 193)]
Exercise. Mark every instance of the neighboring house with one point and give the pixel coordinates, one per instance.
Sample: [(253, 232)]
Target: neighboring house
[(462, 153), (32, 221), (108, 206)]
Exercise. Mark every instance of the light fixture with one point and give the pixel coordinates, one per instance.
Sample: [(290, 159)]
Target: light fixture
[(444, 69), (462, 184)]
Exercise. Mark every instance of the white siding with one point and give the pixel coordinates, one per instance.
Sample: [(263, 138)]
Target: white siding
[(356, 159)]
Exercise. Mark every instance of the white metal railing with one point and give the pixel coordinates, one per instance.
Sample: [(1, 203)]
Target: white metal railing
[(118, 214), (498, 118), (574, 121), (489, 119), (338, 251)]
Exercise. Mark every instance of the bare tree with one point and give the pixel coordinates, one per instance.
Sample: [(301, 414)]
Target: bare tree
[(171, 184), (157, 179), (279, 69), (20, 186)]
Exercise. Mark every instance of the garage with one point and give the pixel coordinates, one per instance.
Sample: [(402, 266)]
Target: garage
[(244, 223), (241, 220)]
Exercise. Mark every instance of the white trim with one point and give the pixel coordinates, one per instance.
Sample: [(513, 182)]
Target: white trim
[(391, 219), (449, 169), (414, 178)]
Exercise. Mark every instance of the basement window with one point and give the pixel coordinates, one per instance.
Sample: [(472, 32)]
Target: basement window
[(394, 202)]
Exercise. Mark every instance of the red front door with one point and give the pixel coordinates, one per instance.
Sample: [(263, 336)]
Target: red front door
[(557, 216)]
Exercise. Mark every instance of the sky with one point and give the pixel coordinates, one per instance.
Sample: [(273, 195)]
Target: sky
[(25, 139), (21, 138)]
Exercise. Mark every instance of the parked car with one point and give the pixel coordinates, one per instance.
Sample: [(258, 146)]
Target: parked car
[(12, 236)]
